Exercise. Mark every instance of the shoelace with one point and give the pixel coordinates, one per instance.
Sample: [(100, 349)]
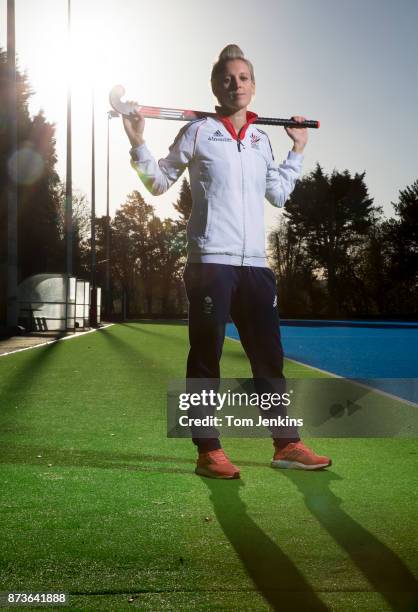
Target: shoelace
[(297, 452), (220, 457)]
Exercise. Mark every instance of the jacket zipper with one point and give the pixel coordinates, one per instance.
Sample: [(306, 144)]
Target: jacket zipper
[(240, 146)]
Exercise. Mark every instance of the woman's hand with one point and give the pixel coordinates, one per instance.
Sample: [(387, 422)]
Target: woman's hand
[(134, 127), (298, 135)]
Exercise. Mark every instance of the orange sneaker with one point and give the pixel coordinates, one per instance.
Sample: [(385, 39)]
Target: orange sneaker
[(297, 456), (215, 464)]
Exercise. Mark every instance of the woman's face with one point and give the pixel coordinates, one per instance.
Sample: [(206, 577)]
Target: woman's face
[(234, 88)]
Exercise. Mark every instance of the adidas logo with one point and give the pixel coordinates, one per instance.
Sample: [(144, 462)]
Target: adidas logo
[(219, 136)]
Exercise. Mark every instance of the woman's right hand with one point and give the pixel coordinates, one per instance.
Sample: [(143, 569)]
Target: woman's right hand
[(134, 127)]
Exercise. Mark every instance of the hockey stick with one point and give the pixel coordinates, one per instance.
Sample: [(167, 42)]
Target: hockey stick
[(177, 114)]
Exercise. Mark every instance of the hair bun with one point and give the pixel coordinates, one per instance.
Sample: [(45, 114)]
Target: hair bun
[(231, 52)]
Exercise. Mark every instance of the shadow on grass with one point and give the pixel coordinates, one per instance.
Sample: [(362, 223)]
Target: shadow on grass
[(20, 381), (384, 570), (232, 355), (15, 385), (131, 351), (273, 573), (152, 330), (59, 457), (135, 322)]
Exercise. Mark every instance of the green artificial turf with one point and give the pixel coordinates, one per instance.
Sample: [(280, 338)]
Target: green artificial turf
[(97, 502)]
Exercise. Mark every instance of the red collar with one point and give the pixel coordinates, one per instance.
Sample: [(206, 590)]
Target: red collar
[(251, 117)]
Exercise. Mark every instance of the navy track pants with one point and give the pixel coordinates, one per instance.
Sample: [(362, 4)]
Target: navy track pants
[(249, 296)]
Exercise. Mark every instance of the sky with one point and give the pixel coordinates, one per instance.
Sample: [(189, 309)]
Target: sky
[(351, 64)]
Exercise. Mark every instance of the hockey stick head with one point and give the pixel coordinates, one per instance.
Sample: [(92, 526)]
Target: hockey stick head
[(124, 108)]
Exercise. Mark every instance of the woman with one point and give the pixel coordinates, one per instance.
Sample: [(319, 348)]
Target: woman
[(232, 170)]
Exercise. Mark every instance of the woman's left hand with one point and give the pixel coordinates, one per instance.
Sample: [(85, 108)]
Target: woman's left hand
[(298, 135)]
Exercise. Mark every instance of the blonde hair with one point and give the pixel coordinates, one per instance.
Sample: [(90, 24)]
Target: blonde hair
[(230, 52)]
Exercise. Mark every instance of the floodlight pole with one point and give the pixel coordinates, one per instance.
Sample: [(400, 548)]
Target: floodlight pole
[(93, 304), (12, 195), (109, 309), (68, 215)]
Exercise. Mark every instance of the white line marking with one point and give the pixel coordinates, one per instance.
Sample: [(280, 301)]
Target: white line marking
[(76, 335)]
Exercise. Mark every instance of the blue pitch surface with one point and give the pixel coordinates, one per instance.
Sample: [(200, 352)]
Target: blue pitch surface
[(383, 353)]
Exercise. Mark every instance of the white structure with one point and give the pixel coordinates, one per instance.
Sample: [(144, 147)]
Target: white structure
[(55, 302)]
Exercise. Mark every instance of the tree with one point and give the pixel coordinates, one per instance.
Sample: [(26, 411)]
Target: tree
[(169, 260), (184, 204), (23, 93), (131, 248), (147, 258), (406, 210), (299, 290), (402, 239), (81, 215), (184, 207), (332, 215), (32, 167)]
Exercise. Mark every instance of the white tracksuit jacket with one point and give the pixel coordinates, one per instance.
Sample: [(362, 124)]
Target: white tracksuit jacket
[(229, 178)]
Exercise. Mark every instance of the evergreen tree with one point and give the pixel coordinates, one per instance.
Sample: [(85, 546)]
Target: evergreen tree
[(40, 246), (299, 290), (332, 215), (402, 238), (184, 204)]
